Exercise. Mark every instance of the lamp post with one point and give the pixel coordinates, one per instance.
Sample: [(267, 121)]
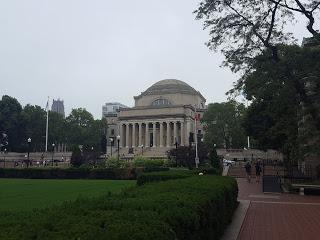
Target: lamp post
[(4, 158), (52, 154), (142, 149), (118, 140), (92, 156), (29, 143), (111, 143)]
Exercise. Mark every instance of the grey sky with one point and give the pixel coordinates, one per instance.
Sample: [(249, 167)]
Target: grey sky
[(92, 52)]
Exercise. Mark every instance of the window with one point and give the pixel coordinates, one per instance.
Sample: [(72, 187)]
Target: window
[(161, 102)]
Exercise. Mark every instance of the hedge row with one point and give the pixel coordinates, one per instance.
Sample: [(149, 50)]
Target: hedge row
[(155, 176), (164, 176), (198, 207), (76, 173)]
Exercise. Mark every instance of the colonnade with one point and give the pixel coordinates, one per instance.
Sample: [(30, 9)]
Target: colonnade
[(154, 133)]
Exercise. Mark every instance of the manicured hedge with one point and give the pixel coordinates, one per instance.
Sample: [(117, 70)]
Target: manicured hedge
[(157, 176), (198, 207), (164, 176), (69, 173), (76, 173)]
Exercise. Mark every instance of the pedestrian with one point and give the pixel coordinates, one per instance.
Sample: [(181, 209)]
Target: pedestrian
[(248, 171), (258, 171)]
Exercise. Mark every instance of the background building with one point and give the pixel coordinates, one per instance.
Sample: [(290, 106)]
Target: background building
[(58, 107), (110, 114), (110, 109), (163, 117)]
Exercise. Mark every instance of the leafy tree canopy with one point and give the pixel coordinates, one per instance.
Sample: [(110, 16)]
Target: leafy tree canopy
[(242, 29), (223, 125)]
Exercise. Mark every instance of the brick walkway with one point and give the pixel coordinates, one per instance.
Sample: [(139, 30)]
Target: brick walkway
[(278, 216)]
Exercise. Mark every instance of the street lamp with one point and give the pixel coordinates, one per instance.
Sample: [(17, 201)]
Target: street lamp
[(4, 158), (94, 159), (118, 140), (142, 149), (29, 143), (52, 154), (111, 142)]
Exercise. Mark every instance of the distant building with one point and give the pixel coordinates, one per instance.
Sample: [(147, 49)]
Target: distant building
[(110, 109), (58, 107), (110, 114)]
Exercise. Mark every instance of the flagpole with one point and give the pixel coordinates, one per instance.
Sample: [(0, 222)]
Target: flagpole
[(196, 137), (47, 125)]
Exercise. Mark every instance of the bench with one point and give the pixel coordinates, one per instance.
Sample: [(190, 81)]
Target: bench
[(301, 187)]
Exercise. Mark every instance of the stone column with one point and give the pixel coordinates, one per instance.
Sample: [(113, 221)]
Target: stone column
[(168, 134), (161, 134), (188, 132), (154, 134), (147, 135), (127, 134), (140, 134), (121, 133), (182, 132), (175, 139), (133, 135)]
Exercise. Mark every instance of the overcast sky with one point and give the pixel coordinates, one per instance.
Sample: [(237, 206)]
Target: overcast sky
[(91, 52)]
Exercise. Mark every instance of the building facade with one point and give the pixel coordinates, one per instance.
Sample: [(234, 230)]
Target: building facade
[(58, 107), (163, 117), (111, 109), (110, 114)]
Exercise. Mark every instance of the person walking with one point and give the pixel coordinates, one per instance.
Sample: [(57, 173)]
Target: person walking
[(258, 171), (248, 171)]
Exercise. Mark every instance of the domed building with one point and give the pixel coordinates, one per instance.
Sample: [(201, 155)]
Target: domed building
[(163, 117)]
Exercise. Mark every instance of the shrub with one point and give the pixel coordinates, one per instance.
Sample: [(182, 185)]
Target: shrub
[(141, 161), (69, 173), (164, 176), (198, 207), (113, 162)]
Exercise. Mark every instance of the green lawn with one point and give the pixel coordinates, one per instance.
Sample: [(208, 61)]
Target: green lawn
[(26, 194)]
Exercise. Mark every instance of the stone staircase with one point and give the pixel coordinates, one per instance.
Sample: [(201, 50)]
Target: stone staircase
[(147, 152)]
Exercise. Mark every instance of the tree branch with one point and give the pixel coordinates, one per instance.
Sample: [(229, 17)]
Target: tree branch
[(315, 7), (248, 21), (309, 15)]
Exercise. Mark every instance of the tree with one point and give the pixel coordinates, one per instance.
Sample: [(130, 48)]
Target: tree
[(82, 129), (277, 112), (10, 119), (77, 158), (247, 30), (185, 156), (58, 128), (33, 119), (242, 29), (223, 125)]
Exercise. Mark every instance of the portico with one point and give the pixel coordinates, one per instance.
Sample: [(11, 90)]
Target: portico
[(153, 133)]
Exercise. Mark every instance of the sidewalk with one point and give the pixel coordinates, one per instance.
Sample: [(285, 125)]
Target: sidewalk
[(278, 216)]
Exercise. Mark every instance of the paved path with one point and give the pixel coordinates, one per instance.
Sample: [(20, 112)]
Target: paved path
[(278, 216)]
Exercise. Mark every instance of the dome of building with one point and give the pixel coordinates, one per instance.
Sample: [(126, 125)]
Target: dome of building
[(168, 86)]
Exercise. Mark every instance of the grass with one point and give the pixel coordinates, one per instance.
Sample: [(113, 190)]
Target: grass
[(27, 194)]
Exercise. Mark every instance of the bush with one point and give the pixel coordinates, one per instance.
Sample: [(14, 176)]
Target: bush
[(69, 173), (113, 162), (198, 207), (141, 161), (164, 176)]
